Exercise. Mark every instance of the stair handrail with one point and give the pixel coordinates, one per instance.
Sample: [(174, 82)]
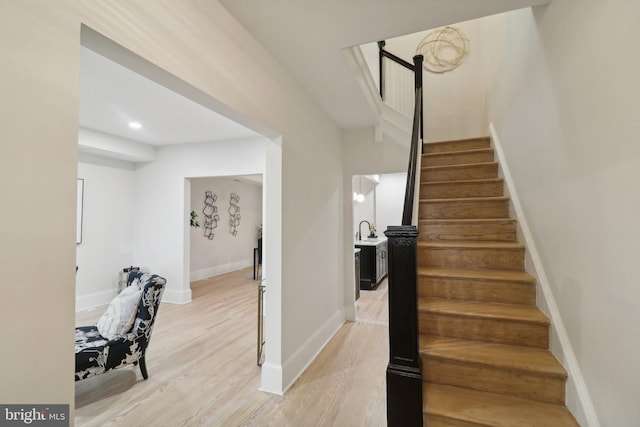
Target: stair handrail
[(412, 169), (404, 371)]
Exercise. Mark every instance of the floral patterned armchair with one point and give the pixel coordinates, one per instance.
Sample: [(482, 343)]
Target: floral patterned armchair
[(96, 354)]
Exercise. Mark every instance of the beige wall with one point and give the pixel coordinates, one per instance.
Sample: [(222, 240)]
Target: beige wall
[(200, 43), (38, 168), (563, 95)]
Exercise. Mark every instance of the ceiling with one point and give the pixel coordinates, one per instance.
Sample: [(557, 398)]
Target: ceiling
[(310, 46), (112, 95), (308, 37)]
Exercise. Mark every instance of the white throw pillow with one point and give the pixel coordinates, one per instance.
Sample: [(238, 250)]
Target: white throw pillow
[(121, 313)]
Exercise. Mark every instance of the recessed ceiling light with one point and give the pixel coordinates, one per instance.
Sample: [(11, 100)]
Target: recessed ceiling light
[(135, 125)]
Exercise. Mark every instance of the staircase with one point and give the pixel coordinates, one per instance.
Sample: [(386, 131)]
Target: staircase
[(483, 343)]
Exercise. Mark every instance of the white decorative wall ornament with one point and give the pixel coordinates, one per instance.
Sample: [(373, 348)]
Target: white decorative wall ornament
[(234, 214), (210, 213), (443, 49)]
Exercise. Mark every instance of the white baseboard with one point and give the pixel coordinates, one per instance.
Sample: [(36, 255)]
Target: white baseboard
[(299, 361), (95, 299), (175, 296), (578, 399), (205, 273)]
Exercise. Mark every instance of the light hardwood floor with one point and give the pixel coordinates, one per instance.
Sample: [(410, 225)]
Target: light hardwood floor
[(373, 307), (202, 368)]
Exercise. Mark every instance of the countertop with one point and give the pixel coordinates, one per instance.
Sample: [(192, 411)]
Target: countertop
[(367, 242)]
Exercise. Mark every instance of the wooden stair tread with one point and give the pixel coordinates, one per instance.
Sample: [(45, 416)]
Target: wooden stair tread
[(493, 275), (475, 244), (440, 188), (457, 152), (453, 141), (487, 310), (490, 409), (464, 181), (529, 359), (460, 221), (464, 207), (436, 146), (467, 199), (462, 166), (471, 254), (462, 227)]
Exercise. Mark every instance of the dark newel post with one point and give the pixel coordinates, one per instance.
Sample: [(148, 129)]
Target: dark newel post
[(404, 378), (380, 73), (417, 63)]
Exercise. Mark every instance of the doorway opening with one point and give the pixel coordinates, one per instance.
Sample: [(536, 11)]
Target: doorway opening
[(136, 190), (226, 218), (377, 203)]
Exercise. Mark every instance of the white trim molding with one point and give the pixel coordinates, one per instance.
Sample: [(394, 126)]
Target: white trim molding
[(358, 64), (578, 399), (205, 273), (390, 123)]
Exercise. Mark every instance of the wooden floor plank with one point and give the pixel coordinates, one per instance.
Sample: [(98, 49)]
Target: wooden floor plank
[(373, 306), (202, 369)]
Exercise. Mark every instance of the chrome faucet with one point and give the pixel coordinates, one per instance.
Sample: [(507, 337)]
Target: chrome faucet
[(360, 228)]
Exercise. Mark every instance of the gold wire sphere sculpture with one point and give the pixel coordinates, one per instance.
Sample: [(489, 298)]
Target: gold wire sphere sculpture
[(443, 50)]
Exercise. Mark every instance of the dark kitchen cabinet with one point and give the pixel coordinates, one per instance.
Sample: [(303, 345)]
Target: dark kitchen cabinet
[(373, 263)]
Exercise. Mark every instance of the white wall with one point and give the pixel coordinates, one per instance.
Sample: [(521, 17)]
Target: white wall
[(225, 252), (164, 201), (563, 98), (390, 200), (119, 204), (108, 225), (454, 102)]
